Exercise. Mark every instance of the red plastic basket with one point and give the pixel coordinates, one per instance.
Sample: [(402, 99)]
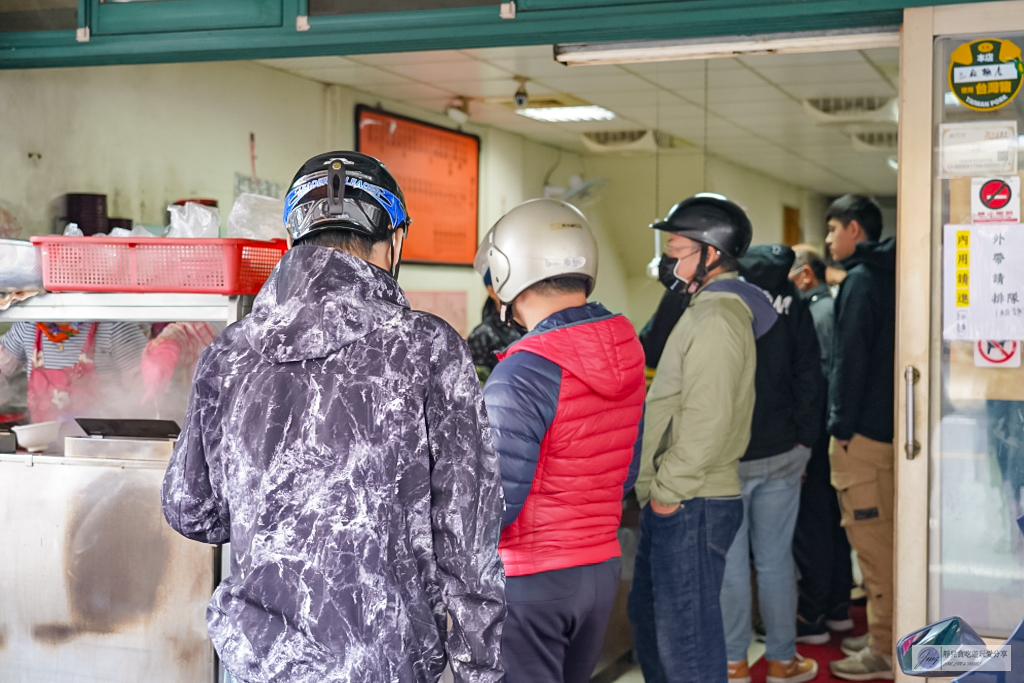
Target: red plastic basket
[(157, 264)]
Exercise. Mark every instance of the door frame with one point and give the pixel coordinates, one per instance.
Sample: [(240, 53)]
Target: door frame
[(918, 271)]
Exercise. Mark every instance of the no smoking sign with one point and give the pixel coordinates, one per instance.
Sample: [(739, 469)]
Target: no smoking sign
[(997, 354), (995, 200)]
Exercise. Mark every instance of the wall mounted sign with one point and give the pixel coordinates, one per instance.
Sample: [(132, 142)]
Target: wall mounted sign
[(983, 282), (991, 353), (978, 149), (452, 307), (995, 200), (439, 171), (985, 74)]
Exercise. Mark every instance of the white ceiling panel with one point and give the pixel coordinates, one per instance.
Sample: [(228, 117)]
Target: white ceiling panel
[(755, 118), (295, 63), (357, 76), (514, 52), (411, 91), (760, 110), (875, 87), (804, 59), (645, 98), (432, 72), (798, 74), (411, 58), (751, 95), (620, 83), (505, 88), (538, 67)]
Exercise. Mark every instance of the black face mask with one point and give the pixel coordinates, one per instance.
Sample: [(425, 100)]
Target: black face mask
[(667, 275)]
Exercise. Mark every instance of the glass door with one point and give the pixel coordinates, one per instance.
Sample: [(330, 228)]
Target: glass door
[(960, 387), (976, 552)]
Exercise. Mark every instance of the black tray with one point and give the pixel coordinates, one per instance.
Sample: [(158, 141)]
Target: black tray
[(130, 429)]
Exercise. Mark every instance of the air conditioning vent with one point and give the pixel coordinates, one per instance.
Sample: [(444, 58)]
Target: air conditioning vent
[(630, 141), (877, 142), (852, 110)]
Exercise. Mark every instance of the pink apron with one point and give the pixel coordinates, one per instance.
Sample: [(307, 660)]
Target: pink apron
[(68, 391)]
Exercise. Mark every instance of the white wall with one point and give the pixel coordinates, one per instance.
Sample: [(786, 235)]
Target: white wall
[(643, 188), (149, 135)]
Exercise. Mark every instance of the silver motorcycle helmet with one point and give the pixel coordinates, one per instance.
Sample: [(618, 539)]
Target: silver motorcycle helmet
[(538, 240)]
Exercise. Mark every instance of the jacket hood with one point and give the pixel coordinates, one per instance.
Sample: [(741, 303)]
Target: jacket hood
[(597, 346), (757, 300), (874, 255), (317, 301), (768, 266)]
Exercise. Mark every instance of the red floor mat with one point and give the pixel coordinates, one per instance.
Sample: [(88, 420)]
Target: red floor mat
[(823, 654)]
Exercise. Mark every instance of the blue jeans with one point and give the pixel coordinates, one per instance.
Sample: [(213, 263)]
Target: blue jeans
[(674, 603), (771, 501)]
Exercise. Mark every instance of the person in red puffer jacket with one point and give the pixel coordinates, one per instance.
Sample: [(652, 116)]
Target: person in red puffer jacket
[(565, 404)]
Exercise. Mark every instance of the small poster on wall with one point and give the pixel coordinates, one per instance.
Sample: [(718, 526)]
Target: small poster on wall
[(451, 307), (983, 282), (438, 171)]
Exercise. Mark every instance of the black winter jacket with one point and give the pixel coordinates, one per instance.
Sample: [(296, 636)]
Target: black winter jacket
[(491, 336), (861, 383), (338, 440), (789, 384), (820, 302)]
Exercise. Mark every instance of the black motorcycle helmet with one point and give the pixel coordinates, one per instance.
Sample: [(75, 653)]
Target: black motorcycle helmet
[(710, 219), (345, 191)]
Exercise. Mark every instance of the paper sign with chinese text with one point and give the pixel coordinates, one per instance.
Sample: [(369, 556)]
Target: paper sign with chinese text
[(978, 148), (983, 282), (438, 171), (995, 200)]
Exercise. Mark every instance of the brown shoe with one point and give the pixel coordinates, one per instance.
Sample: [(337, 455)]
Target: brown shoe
[(739, 672), (796, 670)]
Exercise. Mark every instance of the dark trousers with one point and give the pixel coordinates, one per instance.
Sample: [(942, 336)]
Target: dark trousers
[(674, 605), (556, 622), (820, 545)]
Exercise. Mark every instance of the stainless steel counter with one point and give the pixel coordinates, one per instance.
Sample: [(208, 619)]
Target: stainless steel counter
[(94, 585)]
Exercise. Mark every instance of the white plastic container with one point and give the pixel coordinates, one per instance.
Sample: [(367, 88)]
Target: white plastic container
[(20, 266), (35, 437)]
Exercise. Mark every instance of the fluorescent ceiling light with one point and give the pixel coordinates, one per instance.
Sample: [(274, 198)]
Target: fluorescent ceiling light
[(585, 54), (566, 114)]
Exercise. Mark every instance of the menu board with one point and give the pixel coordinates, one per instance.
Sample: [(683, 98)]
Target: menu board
[(439, 171)]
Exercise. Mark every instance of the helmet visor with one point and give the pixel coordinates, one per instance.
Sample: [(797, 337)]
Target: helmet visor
[(366, 207)]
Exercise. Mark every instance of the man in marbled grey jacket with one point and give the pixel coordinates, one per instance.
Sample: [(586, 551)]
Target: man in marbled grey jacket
[(338, 440)]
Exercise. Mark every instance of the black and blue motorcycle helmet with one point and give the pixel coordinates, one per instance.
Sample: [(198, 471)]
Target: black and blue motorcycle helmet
[(345, 191)]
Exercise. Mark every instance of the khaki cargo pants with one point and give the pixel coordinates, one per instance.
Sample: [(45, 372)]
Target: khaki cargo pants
[(862, 475)]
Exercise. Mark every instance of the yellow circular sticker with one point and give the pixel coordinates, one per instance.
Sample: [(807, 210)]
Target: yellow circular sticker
[(985, 74)]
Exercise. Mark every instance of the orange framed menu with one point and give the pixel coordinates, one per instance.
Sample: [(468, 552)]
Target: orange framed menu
[(439, 172)]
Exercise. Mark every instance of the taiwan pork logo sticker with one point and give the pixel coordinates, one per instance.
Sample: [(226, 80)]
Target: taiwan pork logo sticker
[(985, 74)]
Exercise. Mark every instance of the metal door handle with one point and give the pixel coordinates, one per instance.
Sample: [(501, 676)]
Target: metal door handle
[(912, 447)]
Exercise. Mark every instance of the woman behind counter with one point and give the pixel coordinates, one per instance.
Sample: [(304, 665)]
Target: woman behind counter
[(72, 365)]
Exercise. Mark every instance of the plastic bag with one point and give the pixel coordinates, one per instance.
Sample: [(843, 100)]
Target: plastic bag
[(72, 230), (193, 220), (120, 232), (9, 226), (256, 217)]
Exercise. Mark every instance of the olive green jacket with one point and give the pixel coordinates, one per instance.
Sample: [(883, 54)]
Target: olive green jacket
[(701, 403)]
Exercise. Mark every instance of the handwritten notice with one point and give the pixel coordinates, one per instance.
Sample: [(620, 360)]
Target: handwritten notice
[(983, 282)]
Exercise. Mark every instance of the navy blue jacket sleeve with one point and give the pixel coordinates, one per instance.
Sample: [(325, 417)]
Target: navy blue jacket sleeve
[(521, 396), (638, 447)]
